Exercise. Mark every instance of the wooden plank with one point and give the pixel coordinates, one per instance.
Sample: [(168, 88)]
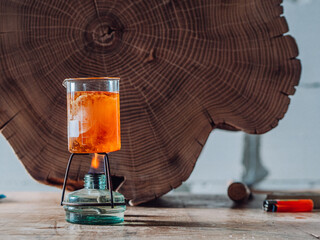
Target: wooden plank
[(38, 215)]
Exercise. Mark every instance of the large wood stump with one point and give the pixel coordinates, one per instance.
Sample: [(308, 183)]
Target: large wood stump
[(186, 67)]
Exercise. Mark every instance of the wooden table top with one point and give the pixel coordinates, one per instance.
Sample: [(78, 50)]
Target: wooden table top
[(177, 216)]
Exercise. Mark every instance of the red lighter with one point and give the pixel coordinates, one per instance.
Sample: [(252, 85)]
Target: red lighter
[(288, 205)]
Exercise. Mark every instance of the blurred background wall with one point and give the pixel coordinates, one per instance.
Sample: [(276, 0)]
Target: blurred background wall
[(290, 152)]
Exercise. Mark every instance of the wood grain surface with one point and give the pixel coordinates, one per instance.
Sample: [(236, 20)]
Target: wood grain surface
[(39, 216), (186, 68)]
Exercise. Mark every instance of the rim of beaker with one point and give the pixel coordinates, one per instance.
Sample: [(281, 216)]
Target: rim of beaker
[(89, 78)]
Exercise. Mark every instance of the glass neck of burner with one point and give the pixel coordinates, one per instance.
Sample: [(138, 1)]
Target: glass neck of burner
[(95, 181)]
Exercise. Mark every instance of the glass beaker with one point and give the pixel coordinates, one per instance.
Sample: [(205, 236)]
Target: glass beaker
[(93, 107)]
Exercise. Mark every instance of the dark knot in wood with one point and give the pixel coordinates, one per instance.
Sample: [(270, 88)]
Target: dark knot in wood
[(103, 34)]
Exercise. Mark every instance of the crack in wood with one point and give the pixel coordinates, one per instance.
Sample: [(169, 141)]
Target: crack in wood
[(7, 122), (199, 142), (207, 114)]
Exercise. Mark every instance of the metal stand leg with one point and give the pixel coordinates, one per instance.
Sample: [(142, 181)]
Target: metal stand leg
[(108, 176), (66, 178)]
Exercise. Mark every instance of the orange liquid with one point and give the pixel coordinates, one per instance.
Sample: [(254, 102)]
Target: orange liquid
[(93, 122)]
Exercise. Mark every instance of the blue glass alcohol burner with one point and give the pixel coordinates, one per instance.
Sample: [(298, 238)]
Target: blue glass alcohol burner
[(94, 192)]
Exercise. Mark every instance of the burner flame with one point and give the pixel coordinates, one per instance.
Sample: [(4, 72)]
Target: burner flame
[(95, 161)]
